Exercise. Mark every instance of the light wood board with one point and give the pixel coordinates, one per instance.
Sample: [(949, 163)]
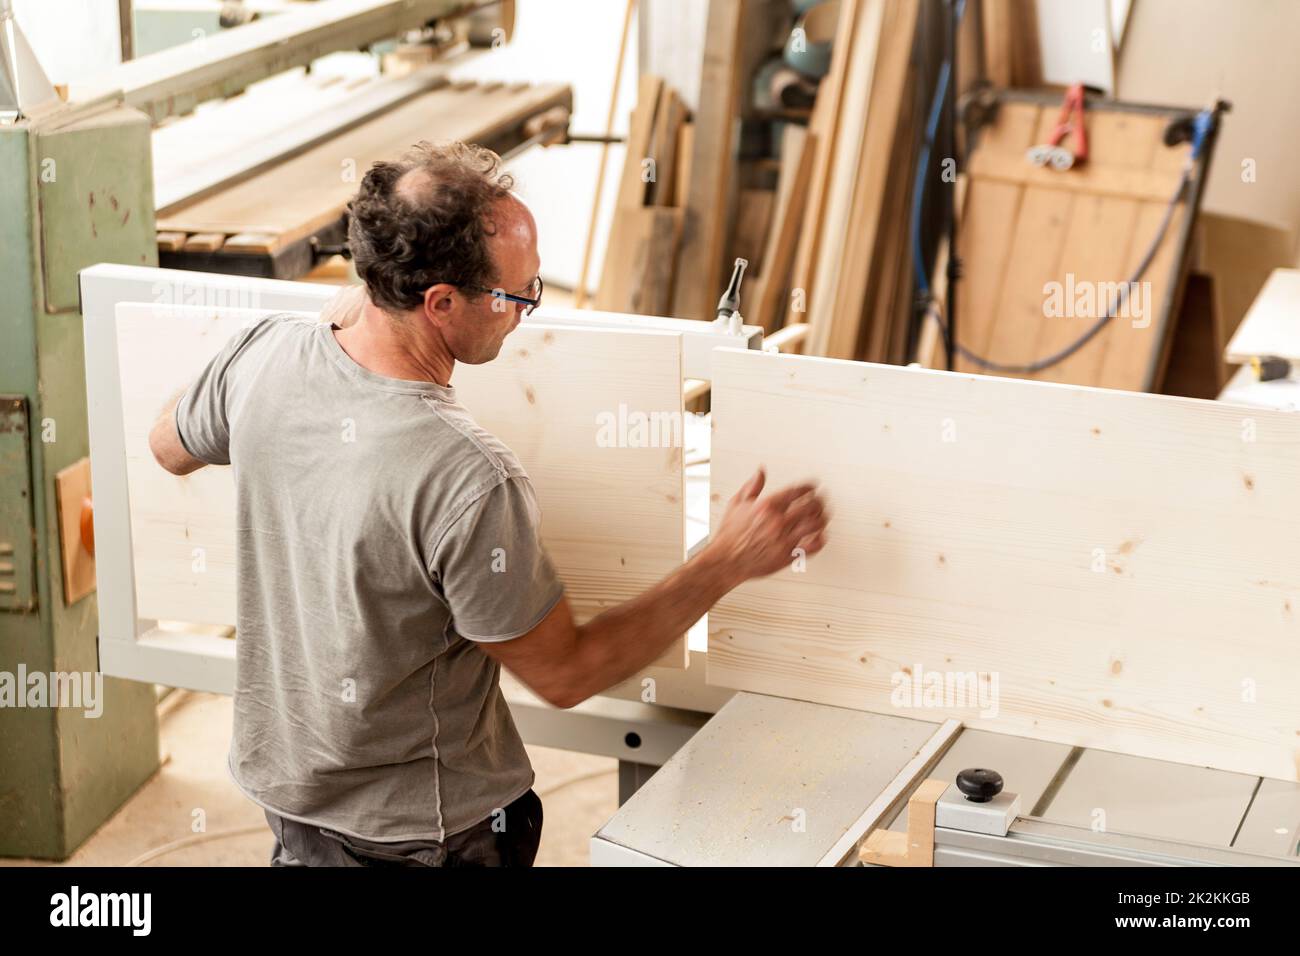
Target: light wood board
[(72, 488), (710, 186), (613, 518), (1123, 565)]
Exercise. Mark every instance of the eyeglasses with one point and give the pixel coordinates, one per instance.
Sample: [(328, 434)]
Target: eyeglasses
[(530, 302)]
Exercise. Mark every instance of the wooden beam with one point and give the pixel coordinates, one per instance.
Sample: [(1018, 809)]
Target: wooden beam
[(837, 226), (632, 184), (712, 183), (824, 128), (798, 152), (915, 847)]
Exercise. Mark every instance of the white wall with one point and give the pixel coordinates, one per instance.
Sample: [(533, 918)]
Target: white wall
[(574, 42), (1187, 52), (72, 38)]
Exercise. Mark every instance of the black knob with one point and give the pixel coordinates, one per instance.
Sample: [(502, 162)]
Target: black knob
[(979, 785)]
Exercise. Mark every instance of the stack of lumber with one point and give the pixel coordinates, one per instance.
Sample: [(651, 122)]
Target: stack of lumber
[(638, 272), (851, 270)]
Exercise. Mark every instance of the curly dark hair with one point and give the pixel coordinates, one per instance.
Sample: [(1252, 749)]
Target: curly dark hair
[(425, 219)]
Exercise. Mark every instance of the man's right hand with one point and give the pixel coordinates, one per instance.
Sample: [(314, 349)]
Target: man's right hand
[(759, 536)]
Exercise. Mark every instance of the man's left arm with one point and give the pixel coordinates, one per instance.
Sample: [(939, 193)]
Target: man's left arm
[(166, 445), (194, 427)]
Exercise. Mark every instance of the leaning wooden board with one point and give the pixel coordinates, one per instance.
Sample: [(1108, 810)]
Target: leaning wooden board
[(1125, 566), (613, 517), (1024, 227)]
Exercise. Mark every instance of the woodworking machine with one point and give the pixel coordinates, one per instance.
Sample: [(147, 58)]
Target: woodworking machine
[(776, 782), (710, 776)]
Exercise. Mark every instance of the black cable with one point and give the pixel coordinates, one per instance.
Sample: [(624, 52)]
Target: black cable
[(1044, 363)]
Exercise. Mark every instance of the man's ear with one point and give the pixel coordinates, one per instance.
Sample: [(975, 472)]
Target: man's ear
[(439, 303)]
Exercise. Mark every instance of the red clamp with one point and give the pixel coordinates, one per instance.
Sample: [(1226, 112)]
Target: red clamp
[(1070, 120)]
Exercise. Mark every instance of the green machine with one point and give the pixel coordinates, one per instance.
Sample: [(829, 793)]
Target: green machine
[(75, 189)]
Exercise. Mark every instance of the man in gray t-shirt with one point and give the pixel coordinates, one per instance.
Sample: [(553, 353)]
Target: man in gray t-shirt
[(371, 629)]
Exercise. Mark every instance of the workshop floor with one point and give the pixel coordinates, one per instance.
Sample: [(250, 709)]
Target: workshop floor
[(579, 792)]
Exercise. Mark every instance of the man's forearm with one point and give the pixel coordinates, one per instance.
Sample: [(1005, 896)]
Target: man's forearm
[(620, 641)]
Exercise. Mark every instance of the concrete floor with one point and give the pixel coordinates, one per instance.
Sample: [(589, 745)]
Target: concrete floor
[(157, 826)]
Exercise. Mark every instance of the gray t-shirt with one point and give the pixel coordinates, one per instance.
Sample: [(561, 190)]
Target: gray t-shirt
[(380, 534)]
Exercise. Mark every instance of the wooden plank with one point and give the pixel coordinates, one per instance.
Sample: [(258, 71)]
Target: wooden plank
[(754, 215), (1124, 351), (72, 488), (204, 242), (1035, 254), (889, 798), (824, 126), (669, 118), (709, 191), (613, 518), (170, 241), (1133, 340), (1082, 232), (1011, 51), (837, 227), (1094, 179), (915, 847), (685, 152), (843, 315), (255, 242), (989, 222), (890, 301), (1114, 570), (1089, 276), (632, 184), (637, 274), (798, 151)]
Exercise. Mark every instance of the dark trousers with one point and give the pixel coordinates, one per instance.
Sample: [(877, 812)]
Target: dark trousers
[(508, 838)]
